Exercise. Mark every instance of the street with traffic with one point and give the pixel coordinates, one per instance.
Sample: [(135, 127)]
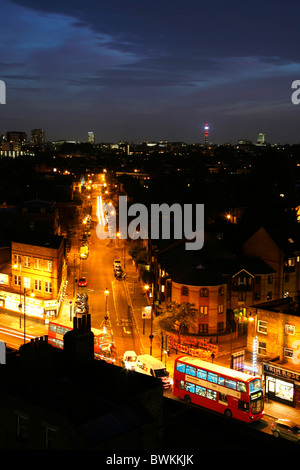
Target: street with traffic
[(116, 302)]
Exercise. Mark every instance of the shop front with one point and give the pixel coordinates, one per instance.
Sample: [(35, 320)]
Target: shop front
[(17, 303), (50, 309), (282, 385)]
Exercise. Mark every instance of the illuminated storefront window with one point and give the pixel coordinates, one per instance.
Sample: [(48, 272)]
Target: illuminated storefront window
[(280, 384)]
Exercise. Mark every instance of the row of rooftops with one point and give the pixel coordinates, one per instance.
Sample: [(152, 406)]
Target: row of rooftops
[(101, 400), (221, 256)]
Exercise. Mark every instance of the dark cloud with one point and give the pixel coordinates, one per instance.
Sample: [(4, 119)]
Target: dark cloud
[(166, 64)]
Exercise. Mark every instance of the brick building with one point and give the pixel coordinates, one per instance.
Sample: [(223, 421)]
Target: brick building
[(274, 339), (38, 274), (206, 290)]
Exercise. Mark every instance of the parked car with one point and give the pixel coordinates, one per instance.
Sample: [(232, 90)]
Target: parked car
[(117, 263), (287, 429), (82, 282)]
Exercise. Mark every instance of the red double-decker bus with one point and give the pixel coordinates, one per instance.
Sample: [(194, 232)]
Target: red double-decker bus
[(103, 341), (218, 388)]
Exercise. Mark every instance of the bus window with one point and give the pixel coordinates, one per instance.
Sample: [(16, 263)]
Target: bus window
[(201, 374), (221, 380), (241, 387), (200, 391), (230, 384), (180, 367), (190, 387), (255, 385), (211, 394), (191, 370), (211, 377)]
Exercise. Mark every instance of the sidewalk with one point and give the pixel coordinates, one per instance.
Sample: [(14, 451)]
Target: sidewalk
[(138, 300)]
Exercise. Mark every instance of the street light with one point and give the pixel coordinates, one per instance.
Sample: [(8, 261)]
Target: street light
[(32, 294), (106, 293), (15, 266), (147, 287)]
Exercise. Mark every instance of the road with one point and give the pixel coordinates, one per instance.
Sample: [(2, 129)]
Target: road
[(98, 270)]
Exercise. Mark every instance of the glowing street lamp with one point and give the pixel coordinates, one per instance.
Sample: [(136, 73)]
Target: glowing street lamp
[(106, 293)]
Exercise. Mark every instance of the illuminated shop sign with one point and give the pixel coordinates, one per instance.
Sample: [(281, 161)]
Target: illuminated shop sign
[(281, 373)]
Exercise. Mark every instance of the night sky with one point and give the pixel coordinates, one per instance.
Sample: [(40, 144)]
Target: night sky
[(154, 70)]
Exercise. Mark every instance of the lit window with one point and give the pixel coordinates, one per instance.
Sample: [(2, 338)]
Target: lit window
[(262, 326), (191, 370), (180, 367), (48, 265), (17, 259), (189, 387), (201, 374), (203, 309), (212, 377), (37, 263)]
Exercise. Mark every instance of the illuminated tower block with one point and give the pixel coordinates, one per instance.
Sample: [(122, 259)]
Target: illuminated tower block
[(91, 137), (206, 128)]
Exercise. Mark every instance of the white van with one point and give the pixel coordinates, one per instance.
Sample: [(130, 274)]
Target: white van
[(149, 365), (129, 360)]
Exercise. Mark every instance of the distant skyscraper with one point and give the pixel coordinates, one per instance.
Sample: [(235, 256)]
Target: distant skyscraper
[(38, 136), (91, 137), (206, 128), (261, 138)]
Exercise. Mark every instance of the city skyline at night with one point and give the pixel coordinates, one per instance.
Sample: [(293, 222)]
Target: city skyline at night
[(140, 71)]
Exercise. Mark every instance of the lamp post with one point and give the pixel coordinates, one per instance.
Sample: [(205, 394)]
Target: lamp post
[(147, 287), (20, 304), (106, 293), (32, 294)]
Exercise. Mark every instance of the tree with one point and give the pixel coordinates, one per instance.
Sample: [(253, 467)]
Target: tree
[(175, 317), (135, 250)]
